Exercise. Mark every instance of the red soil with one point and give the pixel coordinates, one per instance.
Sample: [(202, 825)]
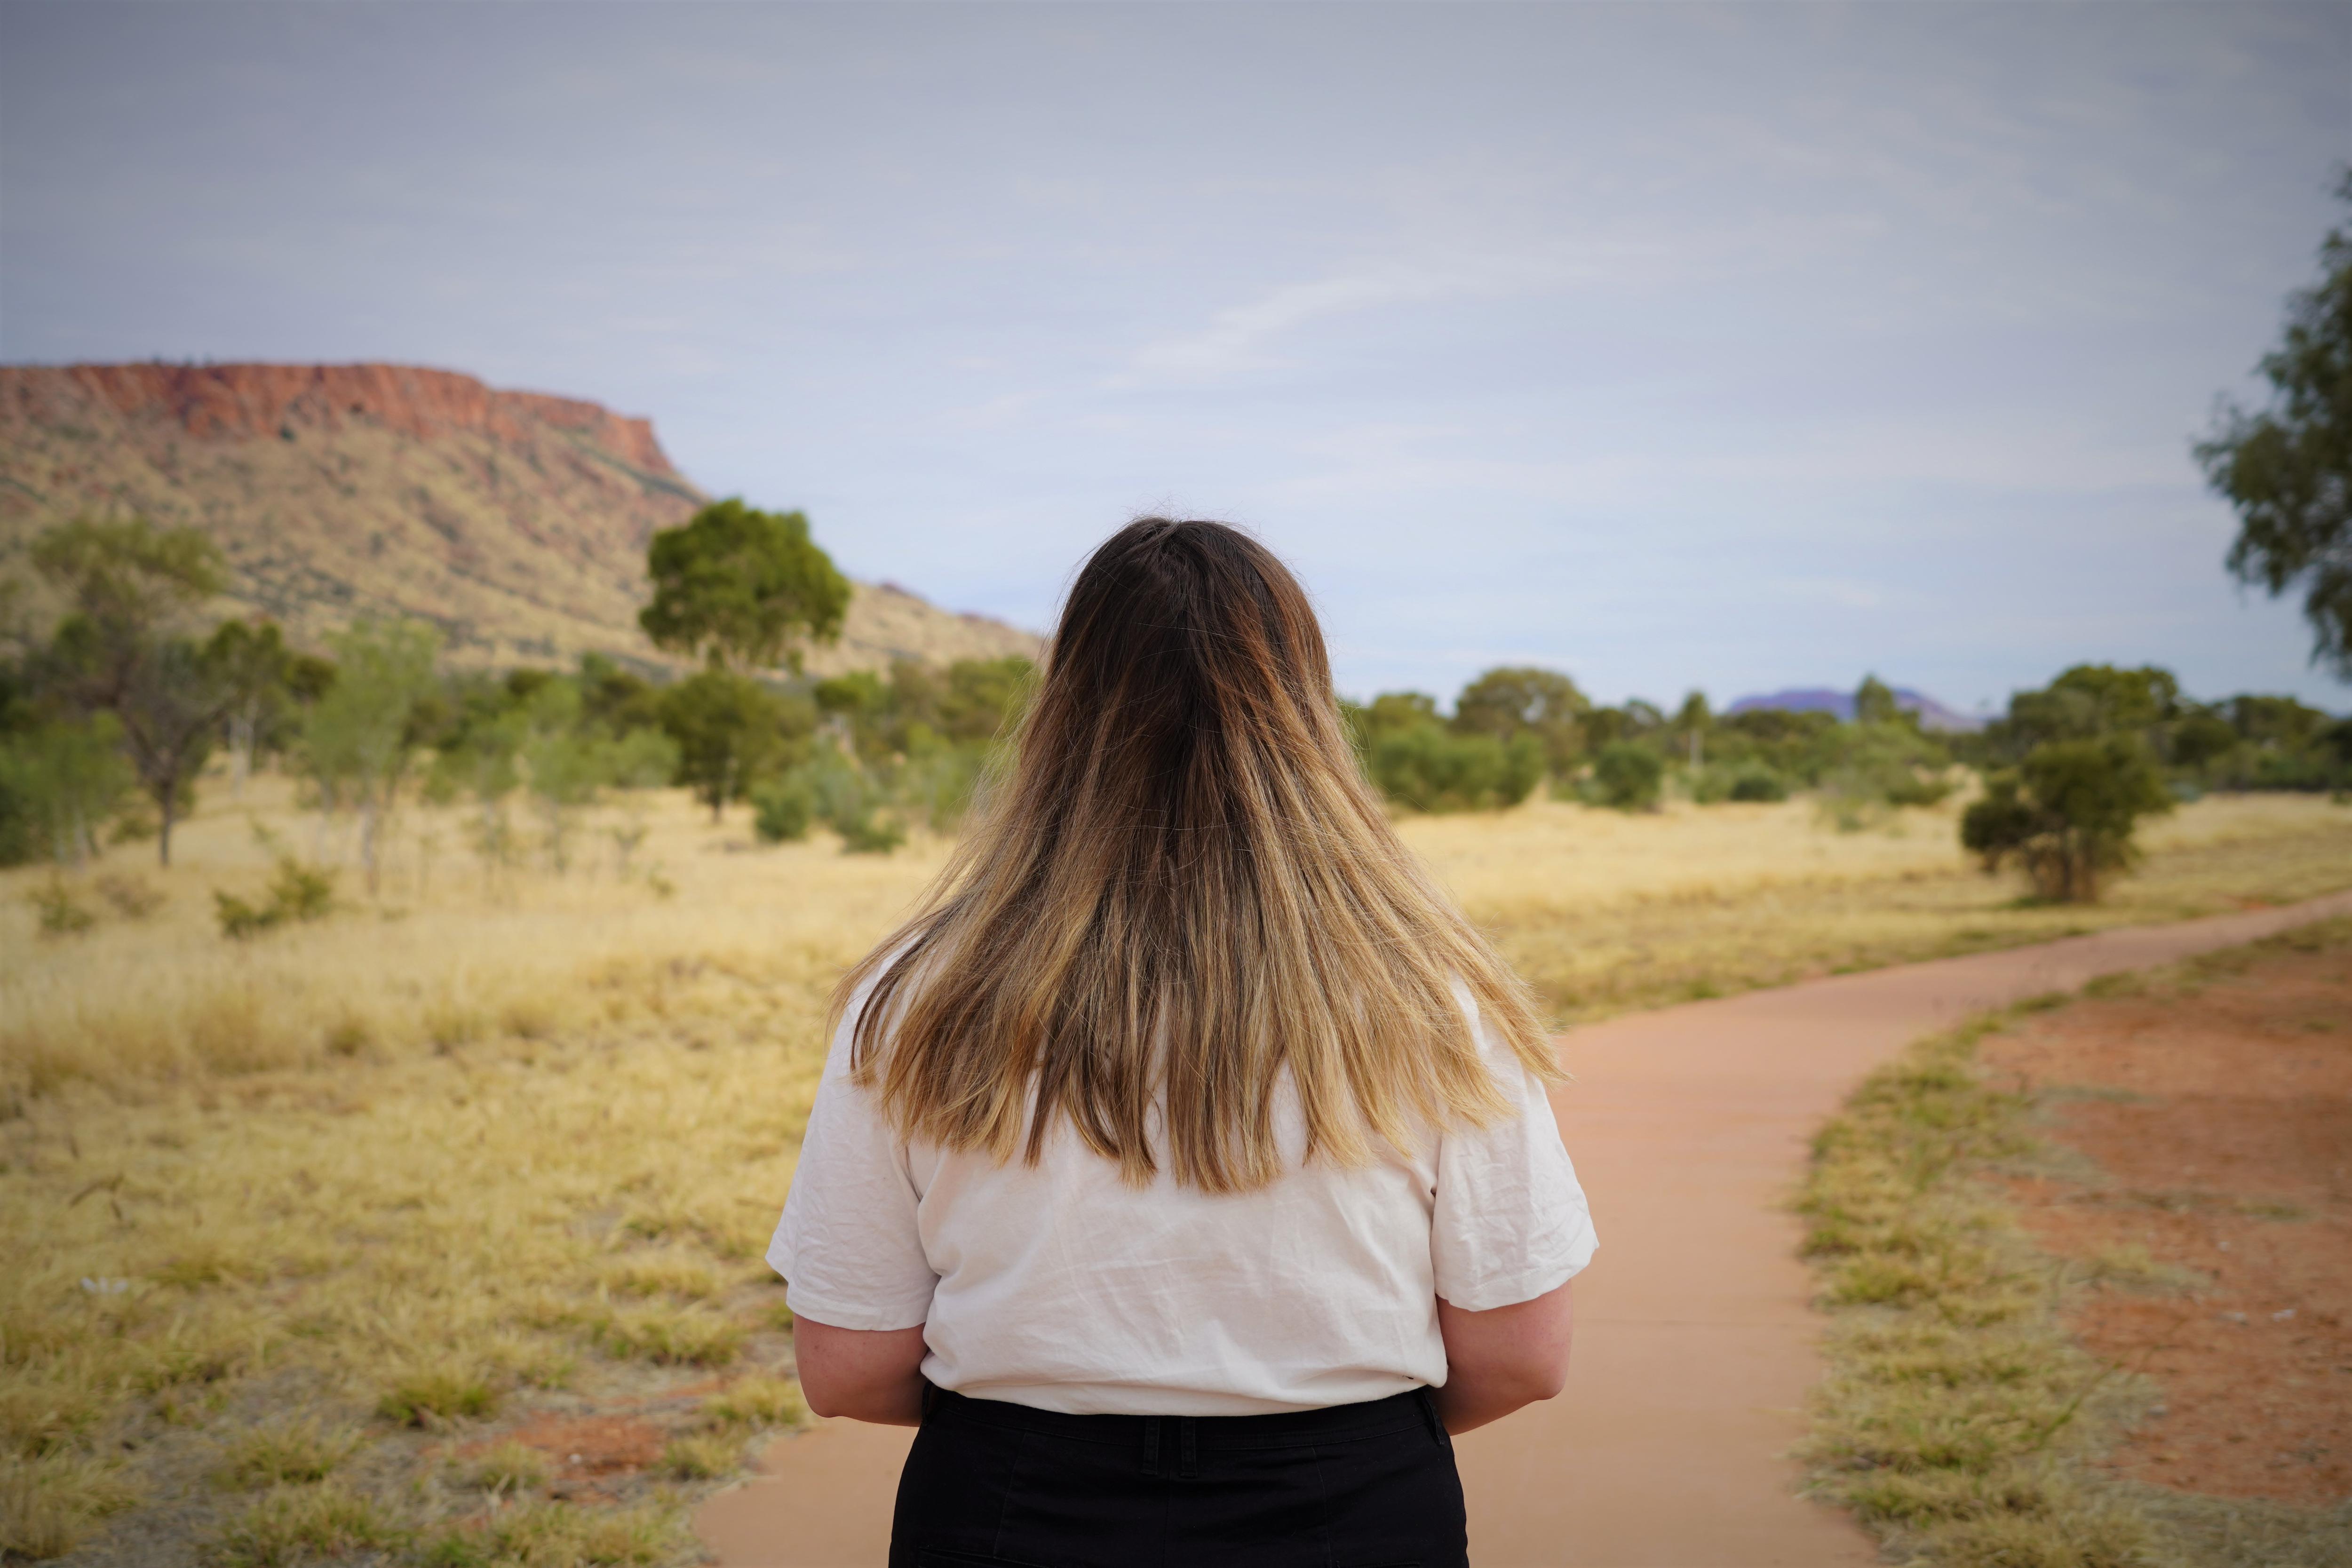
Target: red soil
[(2222, 1144)]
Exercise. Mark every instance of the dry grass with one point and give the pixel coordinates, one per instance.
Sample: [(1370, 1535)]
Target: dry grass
[(1958, 1419), (1607, 912), (479, 1147)]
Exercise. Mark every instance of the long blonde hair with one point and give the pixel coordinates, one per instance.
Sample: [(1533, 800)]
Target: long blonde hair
[(1180, 893)]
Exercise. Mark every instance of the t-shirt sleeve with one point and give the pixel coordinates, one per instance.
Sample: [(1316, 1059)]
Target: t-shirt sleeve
[(1509, 1223), (848, 1245)]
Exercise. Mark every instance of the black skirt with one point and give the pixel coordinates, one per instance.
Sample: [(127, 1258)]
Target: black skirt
[(1356, 1485)]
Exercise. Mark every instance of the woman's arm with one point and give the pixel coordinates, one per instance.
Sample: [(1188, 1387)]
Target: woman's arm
[(864, 1374), (1499, 1360)]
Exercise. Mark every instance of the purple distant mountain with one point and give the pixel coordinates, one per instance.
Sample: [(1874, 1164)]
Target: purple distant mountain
[(1933, 715)]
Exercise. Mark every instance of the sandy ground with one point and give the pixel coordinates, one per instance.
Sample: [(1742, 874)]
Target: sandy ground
[(1694, 1345), (2215, 1130)]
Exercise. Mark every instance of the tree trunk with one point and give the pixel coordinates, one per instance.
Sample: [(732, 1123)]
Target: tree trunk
[(167, 801), (367, 841), (242, 730)]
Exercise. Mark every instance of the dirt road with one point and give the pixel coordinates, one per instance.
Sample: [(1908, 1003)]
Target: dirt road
[(1693, 1344)]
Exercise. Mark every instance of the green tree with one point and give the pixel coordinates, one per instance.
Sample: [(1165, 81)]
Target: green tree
[(1522, 700), (1874, 702), (2068, 813), (739, 585), (1692, 722), (253, 662), (2287, 469), (122, 647), (729, 732), (61, 782), (1429, 768), (360, 737)]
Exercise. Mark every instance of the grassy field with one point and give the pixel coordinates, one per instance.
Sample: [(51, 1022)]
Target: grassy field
[(1961, 1420), (327, 1226)]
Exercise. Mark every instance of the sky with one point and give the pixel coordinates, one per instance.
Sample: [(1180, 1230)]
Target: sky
[(1679, 347)]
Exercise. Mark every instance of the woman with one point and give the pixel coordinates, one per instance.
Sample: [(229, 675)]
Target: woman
[(1182, 1168)]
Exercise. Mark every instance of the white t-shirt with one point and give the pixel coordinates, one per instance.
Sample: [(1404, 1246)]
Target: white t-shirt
[(1060, 1287)]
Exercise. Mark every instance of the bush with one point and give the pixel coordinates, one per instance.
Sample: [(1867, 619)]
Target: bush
[(1628, 775), (61, 914), (864, 832), (2067, 813), (1758, 784), (783, 809), (297, 893), (1430, 769)]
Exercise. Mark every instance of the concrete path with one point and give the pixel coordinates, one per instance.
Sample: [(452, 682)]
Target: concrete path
[(1695, 1347)]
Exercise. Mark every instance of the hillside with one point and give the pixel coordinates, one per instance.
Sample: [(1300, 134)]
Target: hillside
[(515, 521)]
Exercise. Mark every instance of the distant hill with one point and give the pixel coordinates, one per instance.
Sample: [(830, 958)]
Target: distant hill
[(1933, 715), (515, 521)]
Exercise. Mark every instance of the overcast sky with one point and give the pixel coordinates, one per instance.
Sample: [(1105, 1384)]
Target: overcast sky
[(1728, 347)]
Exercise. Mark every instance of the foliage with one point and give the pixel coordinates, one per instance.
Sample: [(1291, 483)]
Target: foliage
[(59, 912), (298, 895), (1429, 768), (360, 736), (729, 730), (256, 668), (1628, 775), (121, 649), (60, 782), (2067, 813), (783, 809), (2288, 469), (1517, 700), (738, 585)]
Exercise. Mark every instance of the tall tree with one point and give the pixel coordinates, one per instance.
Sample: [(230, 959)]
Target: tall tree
[(2287, 469), (254, 662), (736, 586), (132, 588), (728, 729), (1875, 703), (1517, 701)]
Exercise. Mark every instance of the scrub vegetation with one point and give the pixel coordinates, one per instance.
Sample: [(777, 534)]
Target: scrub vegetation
[(1960, 1420)]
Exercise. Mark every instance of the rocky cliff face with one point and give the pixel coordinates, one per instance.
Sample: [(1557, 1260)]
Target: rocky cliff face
[(515, 521)]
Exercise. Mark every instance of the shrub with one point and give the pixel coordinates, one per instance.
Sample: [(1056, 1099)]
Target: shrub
[(61, 914), (2067, 813), (865, 833), (1627, 775), (298, 893), (1429, 768), (783, 809), (133, 898), (1758, 784)]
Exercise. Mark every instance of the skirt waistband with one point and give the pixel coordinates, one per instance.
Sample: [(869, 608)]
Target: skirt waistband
[(1278, 1429)]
